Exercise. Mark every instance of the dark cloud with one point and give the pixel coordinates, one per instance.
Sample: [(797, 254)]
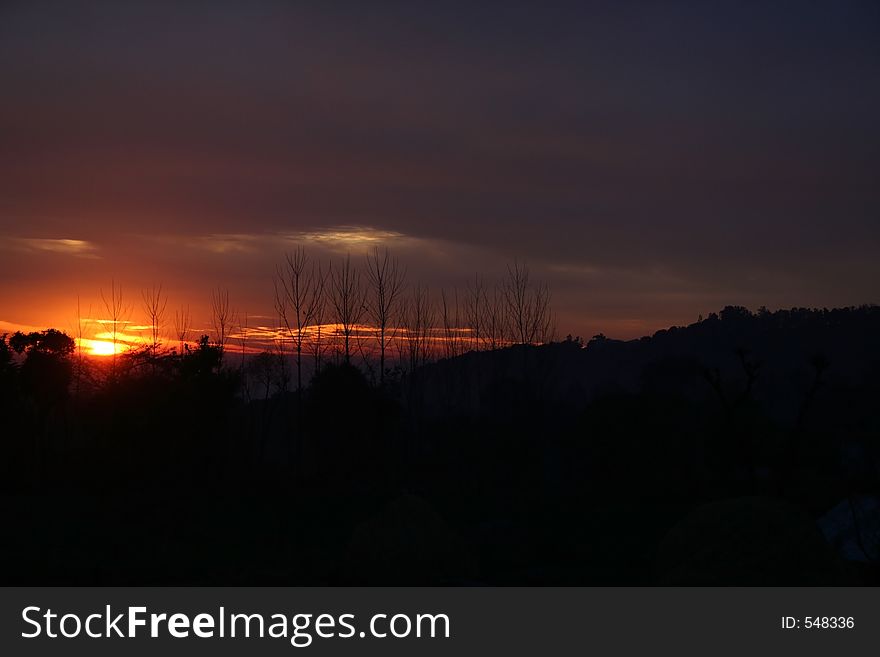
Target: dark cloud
[(652, 160)]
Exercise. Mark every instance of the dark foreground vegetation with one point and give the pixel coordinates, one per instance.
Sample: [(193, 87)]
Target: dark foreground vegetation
[(742, 449)]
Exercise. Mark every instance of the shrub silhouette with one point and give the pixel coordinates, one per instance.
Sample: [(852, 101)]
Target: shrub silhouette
[(47, 371)]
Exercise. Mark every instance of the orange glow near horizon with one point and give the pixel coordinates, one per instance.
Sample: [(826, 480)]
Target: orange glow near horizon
[(256, 339), (101, 347)]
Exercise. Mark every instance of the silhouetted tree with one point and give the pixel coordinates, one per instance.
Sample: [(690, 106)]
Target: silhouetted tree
[(154, 305), (222, 317), (418, 321), (494, 318), (299, 292), (451, 323), (347, 298), (46, 373), (528, 306), (385, 278), (5, 352), (80, 338), (317, 336), (181, 325), (117, 312), (475, 311), (6, 369), (203, 361)]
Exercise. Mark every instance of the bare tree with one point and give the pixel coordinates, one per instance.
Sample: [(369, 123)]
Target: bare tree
[(80, 336), (418, 321), (299, 290), (281, 348), (242, 337), (528, 306), (316, 337), (181, 325), (474, 302), (347, 298), (451, 323), (117, 311), (385, 278), (154, 305), (403, 344), (221, 317), (494, 318)]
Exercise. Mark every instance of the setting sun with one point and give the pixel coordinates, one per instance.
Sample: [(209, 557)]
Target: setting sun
[(101, 347)]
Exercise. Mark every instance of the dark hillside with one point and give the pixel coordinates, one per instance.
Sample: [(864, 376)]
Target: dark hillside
[(744, 448)]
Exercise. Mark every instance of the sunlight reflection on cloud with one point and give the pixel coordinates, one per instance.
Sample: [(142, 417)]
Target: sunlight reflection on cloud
[(345, 237), (336, 238), (350, 236), (77, 248)]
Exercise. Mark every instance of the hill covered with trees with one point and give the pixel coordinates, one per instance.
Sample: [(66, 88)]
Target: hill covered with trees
[(741, 449)]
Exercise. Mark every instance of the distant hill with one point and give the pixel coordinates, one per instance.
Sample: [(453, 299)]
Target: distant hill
[(708, 358)]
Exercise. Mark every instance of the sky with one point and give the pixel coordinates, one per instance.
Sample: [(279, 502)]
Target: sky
[(651, 161)]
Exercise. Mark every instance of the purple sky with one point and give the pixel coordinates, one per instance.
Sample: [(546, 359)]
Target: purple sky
[(651, 161)]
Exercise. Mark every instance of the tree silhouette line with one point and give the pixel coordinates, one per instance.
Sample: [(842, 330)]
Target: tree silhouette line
[(334, 311), (392, 435)]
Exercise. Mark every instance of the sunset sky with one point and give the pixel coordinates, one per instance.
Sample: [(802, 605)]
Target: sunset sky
[(651, 161)]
